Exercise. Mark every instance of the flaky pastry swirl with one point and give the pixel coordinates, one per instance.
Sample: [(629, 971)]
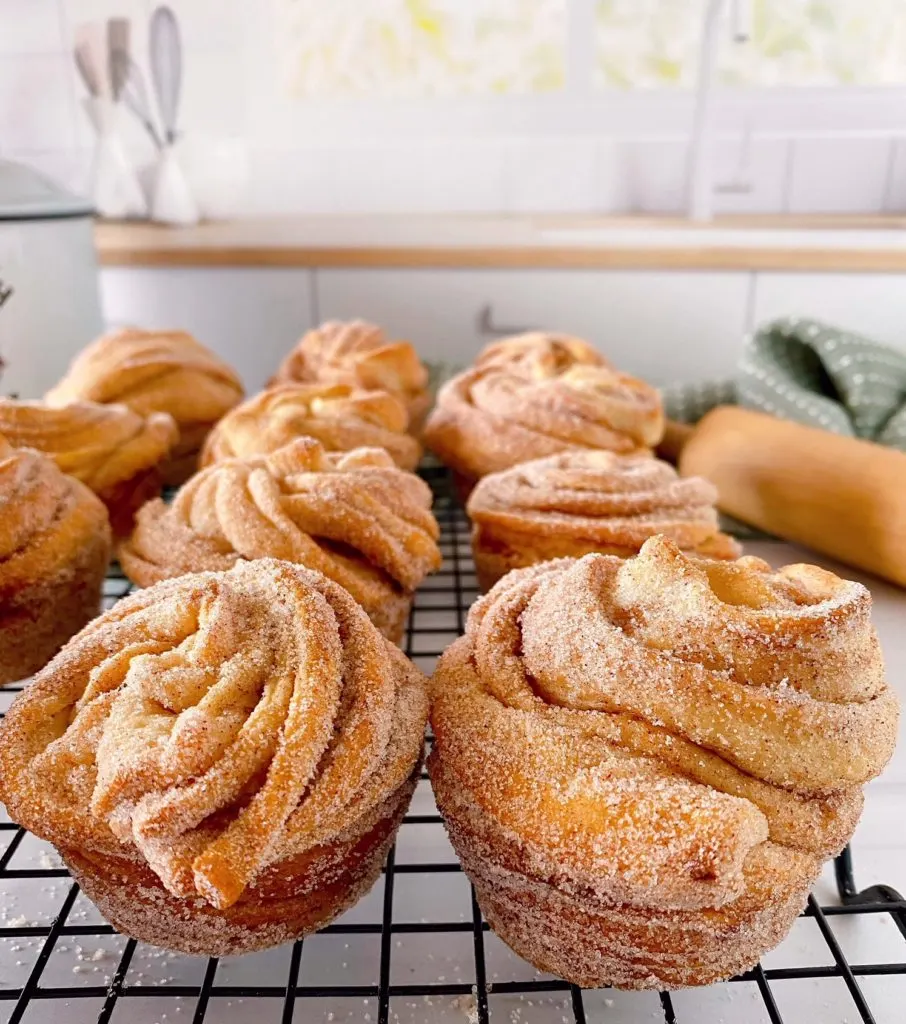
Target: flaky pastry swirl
[(212, 726), (361, 355), (151, 371), (582, 501), (45, 516), (339, 416), (356, 517), (535, 350), (645, 725), (494, 416), (101, 445)]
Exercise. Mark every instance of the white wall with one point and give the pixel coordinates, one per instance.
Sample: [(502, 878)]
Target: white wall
[(575, 149)]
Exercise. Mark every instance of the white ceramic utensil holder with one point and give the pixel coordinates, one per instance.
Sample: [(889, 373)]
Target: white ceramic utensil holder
[(115, 188), (172, 201)]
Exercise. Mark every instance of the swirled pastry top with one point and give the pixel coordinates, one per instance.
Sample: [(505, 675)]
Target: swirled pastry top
[(496, 415), (597, 500), (213, 725), (339, 416), (356, 517), (151, 371), (359, 354), (101, 445), (540, 349), (644, 724), (44, 517)]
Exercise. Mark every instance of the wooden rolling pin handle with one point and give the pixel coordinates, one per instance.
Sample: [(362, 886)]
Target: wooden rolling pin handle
[(843, 497)]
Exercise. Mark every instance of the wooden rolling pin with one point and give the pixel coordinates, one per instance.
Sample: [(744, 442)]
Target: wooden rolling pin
[(843, 497)]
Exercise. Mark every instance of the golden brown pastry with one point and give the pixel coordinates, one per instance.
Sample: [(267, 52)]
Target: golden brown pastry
[(540, 348), (642, 763), (222, 760), (339, 416), (359, 354), (113, 450), (496, 415), (571, 504), (356, 517), (54, 549), (155, 371)]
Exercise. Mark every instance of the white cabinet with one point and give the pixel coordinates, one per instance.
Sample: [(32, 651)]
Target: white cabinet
[(872, 304), (664, 326), (250, 316)]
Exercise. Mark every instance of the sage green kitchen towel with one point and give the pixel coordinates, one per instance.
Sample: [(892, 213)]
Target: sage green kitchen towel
[(806, 371)]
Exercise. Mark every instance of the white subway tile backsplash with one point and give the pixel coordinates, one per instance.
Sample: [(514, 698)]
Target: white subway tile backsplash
[(556, 175), (35, 103), (656, 175), (30, 26), (839, 174), (895, 200), (750, 175), (213, 99)]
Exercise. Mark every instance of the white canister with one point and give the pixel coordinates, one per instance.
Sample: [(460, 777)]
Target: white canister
[(49, 298)]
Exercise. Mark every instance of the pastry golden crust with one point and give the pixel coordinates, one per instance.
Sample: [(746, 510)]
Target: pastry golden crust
[(155, 371), (669, 747), (339, 416), (361, 355), (572, 504), (223, 759), (356, 517), (111, 449), (54, 550), (496, 415), (536, 349)]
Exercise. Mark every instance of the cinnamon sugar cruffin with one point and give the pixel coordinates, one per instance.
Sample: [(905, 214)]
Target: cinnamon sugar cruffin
[(110, 448), (577, 502), (155, 371), (361, 356), (508, 410), (54, 549), (669, 749), (356, 517), (241, 745), (339, 416)]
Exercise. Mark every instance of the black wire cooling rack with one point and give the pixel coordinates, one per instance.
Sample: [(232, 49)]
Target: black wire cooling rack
[(477, 994)]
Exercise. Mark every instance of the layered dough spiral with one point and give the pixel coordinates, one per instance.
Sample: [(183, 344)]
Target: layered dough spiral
[(113, 450), (360, 355), (577, 502), (498, 414), (669, 748), (54, 549), (155, 371), (356, 517), (339, 416), (223, 759), (540, 349)]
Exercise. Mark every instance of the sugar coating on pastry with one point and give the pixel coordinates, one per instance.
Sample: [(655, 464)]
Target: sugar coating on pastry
[(361, 355), (151, 371), (669, 748), (214, 729), (101, 445), (354, 516), (541, 348), (577, 502), (500, 413), (341, 417), (54, 548)]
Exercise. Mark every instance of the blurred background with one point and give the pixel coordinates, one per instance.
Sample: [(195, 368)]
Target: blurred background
[(491, 105)]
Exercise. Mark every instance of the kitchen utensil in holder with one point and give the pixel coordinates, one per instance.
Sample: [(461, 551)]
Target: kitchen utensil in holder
[(115, 188)]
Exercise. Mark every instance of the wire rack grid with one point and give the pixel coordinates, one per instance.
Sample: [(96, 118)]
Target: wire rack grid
[(416, 949)]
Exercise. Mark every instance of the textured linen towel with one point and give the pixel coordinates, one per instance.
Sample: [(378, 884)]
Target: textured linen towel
[(806, 371)]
